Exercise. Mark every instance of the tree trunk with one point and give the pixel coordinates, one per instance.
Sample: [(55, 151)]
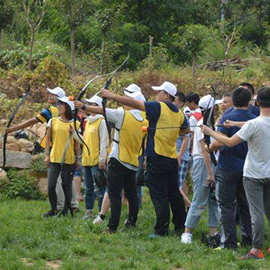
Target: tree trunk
[(31, 49), (72, 46), (193, 71), (102, 53)]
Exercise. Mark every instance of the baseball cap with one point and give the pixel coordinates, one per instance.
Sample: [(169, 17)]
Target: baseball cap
[(95, 99), (135, 95), (57, 91), (132, 88), (67, 101), (207, 102), (167, 87)]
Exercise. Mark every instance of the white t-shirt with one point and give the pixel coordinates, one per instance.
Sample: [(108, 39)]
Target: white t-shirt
[(193, 122), (257, 134), (198, 136)]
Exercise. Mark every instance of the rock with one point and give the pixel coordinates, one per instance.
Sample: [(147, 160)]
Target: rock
[(38, 129), (25, 145), (13, 147), (3, 176), (16, 159), (3, 122)]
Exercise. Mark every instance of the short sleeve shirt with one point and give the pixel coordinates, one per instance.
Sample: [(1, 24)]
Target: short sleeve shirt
[(257, 134), (233, 158)]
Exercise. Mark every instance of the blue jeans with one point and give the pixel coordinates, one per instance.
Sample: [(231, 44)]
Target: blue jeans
[(90, 191), (201, 198)]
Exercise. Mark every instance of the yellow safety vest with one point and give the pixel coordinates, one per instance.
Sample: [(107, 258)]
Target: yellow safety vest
[(60, 135), (91, 138), (130, 139), (165, 139)]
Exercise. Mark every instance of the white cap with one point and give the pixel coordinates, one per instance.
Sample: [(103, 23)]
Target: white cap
[(135, 95), (57, 91), (95, 99), (167, 87), (67, 101), (132, 88), (207, 102)]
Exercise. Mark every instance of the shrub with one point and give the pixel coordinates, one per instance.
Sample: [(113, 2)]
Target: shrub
[(20, 184)]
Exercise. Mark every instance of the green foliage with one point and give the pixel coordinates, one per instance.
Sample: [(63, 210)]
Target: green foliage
[(20, 184), (38, 165), (19, 55), (189, 41)]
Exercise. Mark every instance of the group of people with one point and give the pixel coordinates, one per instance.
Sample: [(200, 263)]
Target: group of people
[(224, 143)]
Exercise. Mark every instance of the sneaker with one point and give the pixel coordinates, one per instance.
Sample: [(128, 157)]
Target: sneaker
[(50, 213), (213, 241), (110, 231), (98, 219), (88, 214), (186, 238), (129, 224), (256, 254)]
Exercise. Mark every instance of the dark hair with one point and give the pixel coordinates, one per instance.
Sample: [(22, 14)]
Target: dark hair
[(263, 97), (227, 94), (181, 96), (193, 97), (241, 97), (172, 98), (249, 86), (68, 111)]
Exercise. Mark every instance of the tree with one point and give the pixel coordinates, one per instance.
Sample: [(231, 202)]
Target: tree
[(74, 13), (6, 16), (34, 13)]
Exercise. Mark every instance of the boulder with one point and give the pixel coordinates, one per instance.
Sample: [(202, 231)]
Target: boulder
[(25, 145), (38, 129), (14, 159), (13, 147), (3, 122)]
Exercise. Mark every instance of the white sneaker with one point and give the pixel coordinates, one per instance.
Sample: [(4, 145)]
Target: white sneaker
[(186, 238), (98, 220), (88, 214)]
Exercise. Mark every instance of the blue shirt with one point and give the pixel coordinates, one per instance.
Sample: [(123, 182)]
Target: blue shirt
[(252, 109), (233, 158), (153, 110)]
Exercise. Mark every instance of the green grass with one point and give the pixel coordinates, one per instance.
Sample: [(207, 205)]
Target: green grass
[(28, 241)]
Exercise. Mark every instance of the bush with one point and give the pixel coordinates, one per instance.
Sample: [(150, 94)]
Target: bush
[(38, 165), (20, 184)]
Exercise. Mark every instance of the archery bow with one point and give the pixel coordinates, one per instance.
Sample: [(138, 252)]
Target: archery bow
[(106, 86), (26, 94)]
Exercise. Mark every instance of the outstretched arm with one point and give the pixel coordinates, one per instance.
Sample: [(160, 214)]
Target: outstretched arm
[(88, 108), (229, 123), (23, 125), (128, 101), (228, 141)]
